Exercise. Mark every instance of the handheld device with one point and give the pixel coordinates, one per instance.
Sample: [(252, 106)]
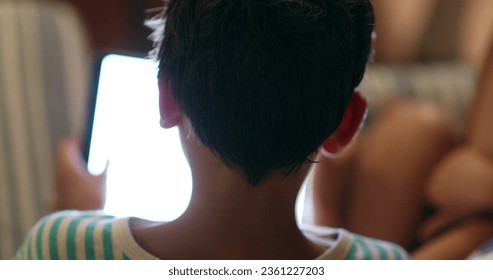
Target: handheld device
[(147, 174)]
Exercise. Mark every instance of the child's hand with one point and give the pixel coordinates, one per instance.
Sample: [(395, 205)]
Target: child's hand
[(75, 188)]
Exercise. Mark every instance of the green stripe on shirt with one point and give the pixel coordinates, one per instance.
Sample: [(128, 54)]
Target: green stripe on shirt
[(28, 248), (352, 252), (107, 242), (72, 239), (89, 240), (367, 255), (39, 241), (53, 237), (397, 253), (382, 252)]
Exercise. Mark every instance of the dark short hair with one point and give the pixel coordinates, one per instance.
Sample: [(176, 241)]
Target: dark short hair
[(264, 82)]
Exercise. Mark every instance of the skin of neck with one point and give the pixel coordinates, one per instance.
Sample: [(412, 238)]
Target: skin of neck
[(227, 218)]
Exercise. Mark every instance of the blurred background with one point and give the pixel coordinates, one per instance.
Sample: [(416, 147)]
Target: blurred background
[(433, 30), (117, 24), (407, 30)]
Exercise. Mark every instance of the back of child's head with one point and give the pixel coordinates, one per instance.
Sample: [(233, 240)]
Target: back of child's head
[(264, 82)]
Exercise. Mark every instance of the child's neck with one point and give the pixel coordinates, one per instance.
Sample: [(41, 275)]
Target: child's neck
[(228, 219)]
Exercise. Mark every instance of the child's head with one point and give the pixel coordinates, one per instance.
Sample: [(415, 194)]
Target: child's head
[(264, 82)]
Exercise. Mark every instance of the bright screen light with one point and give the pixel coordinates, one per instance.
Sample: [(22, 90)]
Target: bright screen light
[(148, 175)]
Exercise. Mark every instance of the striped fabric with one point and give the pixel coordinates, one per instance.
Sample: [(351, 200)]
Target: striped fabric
[(72, 235), (43, 92), (349, 246), (93, 235), (363, 248)]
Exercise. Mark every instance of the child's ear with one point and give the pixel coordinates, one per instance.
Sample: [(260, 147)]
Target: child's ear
[(351, 124), (168, 109)]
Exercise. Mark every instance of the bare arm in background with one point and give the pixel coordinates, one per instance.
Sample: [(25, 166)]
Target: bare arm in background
[(462, 186)]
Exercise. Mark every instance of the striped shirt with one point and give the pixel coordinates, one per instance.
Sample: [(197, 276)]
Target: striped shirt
[(344, 245), (94, 235)]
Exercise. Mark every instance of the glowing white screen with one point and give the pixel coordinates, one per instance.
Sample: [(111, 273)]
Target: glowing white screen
[(148, 175)]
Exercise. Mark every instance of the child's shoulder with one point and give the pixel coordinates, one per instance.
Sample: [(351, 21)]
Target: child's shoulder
[(56, 219), (342, 244), (53, 235), (366, 248), (75, 215)]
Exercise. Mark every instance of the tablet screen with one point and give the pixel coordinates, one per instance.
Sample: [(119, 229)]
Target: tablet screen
[(148, 175)]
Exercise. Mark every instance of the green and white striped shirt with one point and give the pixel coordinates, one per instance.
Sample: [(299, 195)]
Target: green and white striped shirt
[(94, 235), (74, 235)]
